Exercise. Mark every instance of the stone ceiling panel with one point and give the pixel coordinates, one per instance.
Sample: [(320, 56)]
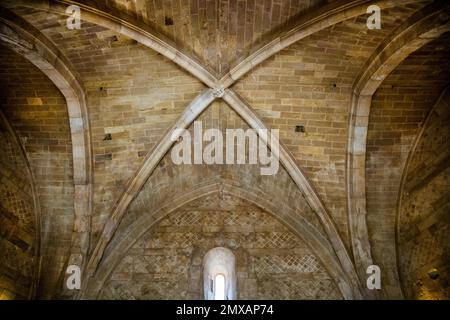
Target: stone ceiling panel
[(38, 113), (309, 84), (218, 32), (133, 96), (398, 110), (271, 262)]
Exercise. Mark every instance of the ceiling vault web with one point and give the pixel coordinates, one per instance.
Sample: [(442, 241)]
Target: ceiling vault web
[(300, 225), (24, 39), (420, 29), (322, 18), (36, 205), (402, 185), (426, 26)]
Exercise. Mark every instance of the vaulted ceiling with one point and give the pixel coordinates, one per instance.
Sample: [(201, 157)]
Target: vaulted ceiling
[(92, 110)]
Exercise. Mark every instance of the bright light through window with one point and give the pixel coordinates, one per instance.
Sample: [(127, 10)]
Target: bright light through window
[(219, 274), (219, 292)]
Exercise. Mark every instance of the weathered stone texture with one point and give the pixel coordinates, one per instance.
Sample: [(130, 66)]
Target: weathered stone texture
[(424, 217), (399, 108), (310, 84), (134, 95), (38, 113), (218, 32), (169, 179), (17, 222), (271, 262)]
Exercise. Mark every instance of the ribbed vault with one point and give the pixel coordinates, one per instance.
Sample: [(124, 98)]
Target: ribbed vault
[(102, 108)]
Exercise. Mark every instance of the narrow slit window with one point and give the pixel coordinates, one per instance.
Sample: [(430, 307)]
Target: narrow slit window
[(219, 292), (219, 274)]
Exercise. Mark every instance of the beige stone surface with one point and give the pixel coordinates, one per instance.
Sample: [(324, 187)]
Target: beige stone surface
[(86, 175), (271, 262)]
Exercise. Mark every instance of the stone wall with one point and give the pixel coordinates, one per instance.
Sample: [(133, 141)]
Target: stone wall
[(169, 179), (271, 262), (399, 108), (424, 217), (17, 222), (170, 184), (193, 25), (310, 84), (37, 112), (133, 95)]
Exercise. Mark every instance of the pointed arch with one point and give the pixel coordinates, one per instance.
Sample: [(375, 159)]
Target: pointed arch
[(288, 162), (196, 107), (154, 157), (418, 30), (24, 39), (307, 24), (424, 126), (302, 228), (130, 27)]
